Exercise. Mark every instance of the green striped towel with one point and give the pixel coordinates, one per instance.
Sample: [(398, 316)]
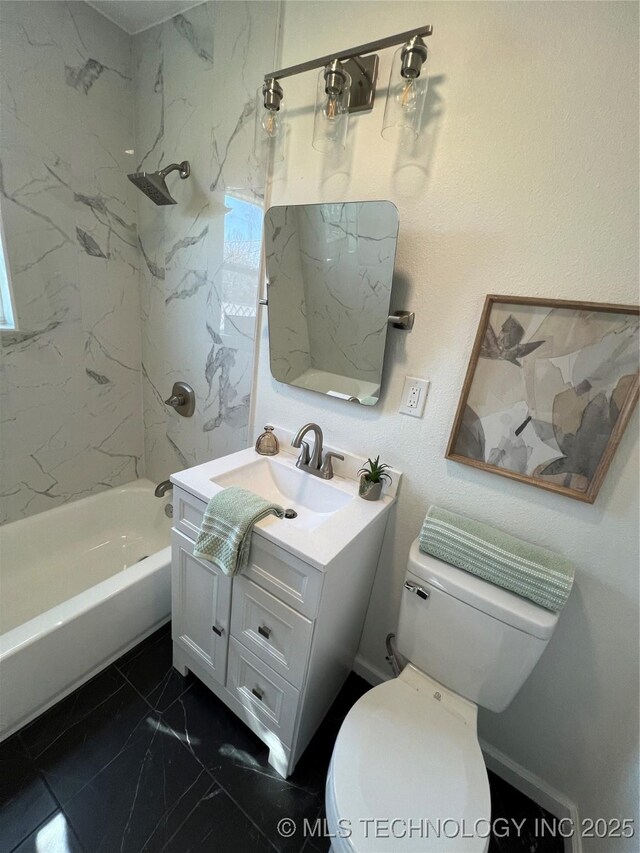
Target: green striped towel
[(532, 572), (225, 535)]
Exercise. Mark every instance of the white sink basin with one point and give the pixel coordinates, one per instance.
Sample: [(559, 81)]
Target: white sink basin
[(329, 514), (312, 498)]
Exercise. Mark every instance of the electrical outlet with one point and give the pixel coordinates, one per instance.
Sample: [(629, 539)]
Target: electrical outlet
[(414, 396)]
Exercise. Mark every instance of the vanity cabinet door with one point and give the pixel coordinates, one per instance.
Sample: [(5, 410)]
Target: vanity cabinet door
[(201, 606)]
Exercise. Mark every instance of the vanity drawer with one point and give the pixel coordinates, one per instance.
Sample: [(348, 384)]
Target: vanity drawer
[(261, 691), (187, 513), (291, 580), (270, 629)]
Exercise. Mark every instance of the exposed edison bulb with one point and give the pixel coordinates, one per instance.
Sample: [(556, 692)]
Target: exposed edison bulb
[(407, 95), (331, 108), (270, 122)]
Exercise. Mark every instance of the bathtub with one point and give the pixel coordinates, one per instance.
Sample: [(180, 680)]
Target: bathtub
[(79, 585)]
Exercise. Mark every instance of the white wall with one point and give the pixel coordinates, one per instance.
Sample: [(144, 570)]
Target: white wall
[(526, 182)]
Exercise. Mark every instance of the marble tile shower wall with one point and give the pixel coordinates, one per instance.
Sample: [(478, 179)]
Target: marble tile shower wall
[(196, 79), (70, 410), (117, 298)]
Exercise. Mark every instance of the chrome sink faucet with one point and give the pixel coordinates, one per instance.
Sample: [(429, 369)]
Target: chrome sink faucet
[(313, 463)]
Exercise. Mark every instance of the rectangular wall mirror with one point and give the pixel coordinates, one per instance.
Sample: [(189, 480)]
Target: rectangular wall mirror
[(329, 274)]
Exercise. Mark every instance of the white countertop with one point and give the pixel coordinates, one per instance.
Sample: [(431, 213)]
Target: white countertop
[(318, 546)]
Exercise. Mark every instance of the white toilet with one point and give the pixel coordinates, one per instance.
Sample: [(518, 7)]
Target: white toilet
[(407, 772)]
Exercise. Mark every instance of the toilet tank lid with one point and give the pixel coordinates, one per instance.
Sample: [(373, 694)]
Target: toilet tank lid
[(493, 600)]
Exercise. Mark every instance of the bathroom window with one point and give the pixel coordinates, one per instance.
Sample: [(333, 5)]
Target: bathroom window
[(242, 246), (7, 309)]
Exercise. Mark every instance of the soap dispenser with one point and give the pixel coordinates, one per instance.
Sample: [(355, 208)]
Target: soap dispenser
[(267, 443)]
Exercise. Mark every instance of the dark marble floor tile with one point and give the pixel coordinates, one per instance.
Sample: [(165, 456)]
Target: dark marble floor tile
[(71, 710), (151, 671), (55, 835), (317, 835), (177, 772), (353, 688), (144, 644), (25, 800), (237, 759), (216, 823), (517, 822), (317, 845), (80, 746), (143, 796)]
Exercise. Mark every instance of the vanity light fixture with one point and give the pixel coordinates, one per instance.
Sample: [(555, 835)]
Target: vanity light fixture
[(406, 94), (270, 121), (347, 84), (331, 117)]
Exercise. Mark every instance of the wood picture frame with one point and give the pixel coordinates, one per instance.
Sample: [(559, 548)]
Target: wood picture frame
[(557, 370)]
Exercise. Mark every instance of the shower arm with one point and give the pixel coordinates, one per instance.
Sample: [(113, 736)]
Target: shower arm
[(183, 168)]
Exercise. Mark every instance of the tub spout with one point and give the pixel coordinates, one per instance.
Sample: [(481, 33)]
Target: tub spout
[(162, 488)]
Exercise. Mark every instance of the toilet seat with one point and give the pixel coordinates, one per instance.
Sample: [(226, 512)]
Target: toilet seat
[(407, 756)]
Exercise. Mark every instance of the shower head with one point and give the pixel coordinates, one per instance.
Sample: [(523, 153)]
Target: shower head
[(153, 184)]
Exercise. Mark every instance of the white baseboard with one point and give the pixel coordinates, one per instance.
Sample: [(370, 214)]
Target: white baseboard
[(369, 672), (520, 778), (536, 789)]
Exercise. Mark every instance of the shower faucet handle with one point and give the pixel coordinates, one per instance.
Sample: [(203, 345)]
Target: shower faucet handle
[(176, 400), (182, 399)]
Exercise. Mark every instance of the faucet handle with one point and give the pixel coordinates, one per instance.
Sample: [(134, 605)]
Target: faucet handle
[(305, 454), (326, 471), (175, 401)]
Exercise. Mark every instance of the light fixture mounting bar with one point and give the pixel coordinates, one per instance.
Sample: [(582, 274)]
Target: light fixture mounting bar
[(350, 53)]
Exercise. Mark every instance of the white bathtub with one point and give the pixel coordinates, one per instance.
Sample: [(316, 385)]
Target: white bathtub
[(79, 585)]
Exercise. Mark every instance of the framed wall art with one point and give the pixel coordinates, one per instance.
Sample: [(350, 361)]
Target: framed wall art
[(549, 390)]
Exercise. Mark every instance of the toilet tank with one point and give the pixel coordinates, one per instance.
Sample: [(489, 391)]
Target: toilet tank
[(475, 638)]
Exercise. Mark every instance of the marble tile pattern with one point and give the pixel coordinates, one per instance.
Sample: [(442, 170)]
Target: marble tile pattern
[(142, 759), (117, 298), (195, 82), (70, 389), (330, 268), (289, 347)]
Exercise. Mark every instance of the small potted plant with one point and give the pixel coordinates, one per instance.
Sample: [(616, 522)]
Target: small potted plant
[(372, 477)]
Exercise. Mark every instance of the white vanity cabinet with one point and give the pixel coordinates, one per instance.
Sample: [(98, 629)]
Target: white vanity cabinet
[(200, 607), (276, 642)]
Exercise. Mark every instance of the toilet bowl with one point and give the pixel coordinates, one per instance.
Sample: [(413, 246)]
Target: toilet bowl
[(407, 772)]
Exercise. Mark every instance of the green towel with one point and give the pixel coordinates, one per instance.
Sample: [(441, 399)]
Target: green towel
[(532, 572), (225, 535)]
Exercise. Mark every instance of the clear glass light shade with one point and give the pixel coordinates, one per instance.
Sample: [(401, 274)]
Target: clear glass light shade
[(406, 98), (269, 131), (331, 119)]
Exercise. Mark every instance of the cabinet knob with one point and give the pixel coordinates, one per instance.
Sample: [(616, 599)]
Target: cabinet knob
[(264, 631), (216, 630), (257, 692)]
